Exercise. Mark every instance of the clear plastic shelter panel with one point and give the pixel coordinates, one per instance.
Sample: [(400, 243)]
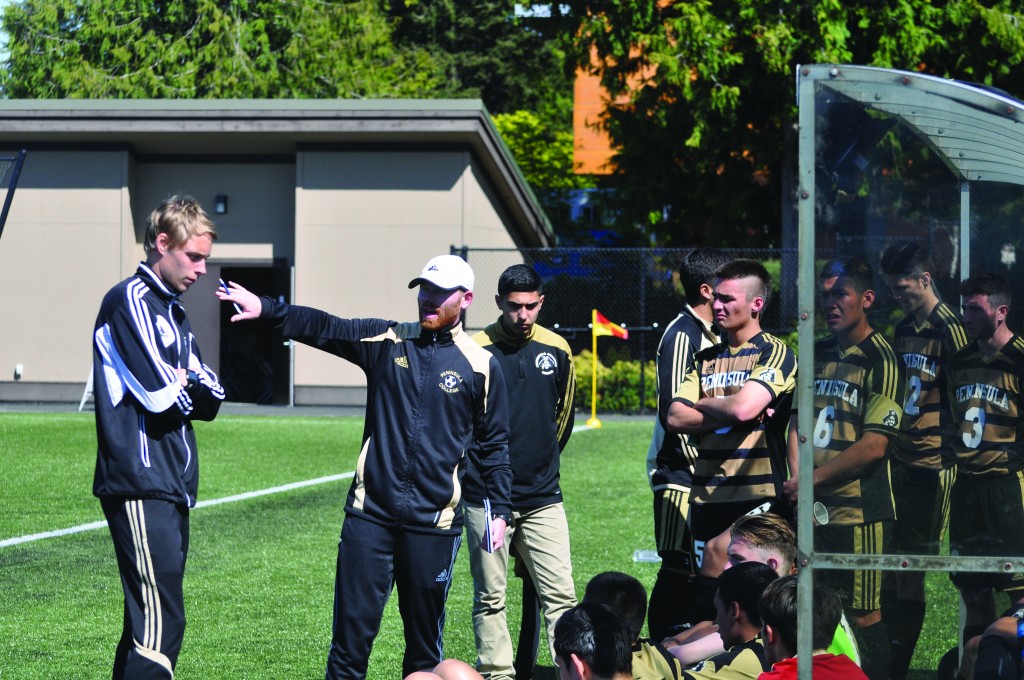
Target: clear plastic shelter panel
[(915, 192)]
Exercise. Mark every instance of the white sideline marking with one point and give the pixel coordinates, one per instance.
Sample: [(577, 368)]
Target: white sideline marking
[(17, 540), (201, 504)]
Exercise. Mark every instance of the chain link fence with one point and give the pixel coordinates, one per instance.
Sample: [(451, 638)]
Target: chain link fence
[(637, 288)]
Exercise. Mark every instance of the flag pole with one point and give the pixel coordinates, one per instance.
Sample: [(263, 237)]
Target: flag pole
[(593, 422)]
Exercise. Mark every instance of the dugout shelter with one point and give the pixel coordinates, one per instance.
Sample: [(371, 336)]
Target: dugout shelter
[(889, 156)]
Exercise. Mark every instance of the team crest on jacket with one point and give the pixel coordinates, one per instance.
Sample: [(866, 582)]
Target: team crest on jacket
[(450, 381), (165, 331), (546, 362)]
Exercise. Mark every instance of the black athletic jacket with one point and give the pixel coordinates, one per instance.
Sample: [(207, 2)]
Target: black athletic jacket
[(430, 398), (541, 383), (671, 457), (146, 446)]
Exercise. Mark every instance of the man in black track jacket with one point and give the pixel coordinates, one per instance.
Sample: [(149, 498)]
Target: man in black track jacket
[(433, 395), (150, 383), (541, 380), (670, 457)]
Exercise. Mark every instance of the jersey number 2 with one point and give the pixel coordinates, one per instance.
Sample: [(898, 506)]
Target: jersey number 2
[(913, 394)]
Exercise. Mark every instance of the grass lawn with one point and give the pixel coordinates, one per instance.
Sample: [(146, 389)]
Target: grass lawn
[(259, 583)]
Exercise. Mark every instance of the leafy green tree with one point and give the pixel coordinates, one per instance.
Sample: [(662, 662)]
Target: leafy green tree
[(544, 154), (209, 48), (520, 67), (710, 90), (509, 62), (546, 151), (308, 48)]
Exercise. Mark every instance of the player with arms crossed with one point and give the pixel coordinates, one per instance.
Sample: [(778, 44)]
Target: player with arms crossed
[(738, 400), (859, 385), (987, 396), (670, 457), (923, 462)]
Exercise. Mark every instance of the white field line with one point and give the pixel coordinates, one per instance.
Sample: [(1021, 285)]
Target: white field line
[(201, 504), (18, 540)]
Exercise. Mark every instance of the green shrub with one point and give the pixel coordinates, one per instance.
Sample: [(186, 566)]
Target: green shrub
[(618, 383)]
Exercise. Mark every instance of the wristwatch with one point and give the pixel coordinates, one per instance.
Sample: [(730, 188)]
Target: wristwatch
[(504, 516), (191, 380)]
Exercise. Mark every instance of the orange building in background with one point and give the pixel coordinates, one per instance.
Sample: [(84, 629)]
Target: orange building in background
[(592, 148)]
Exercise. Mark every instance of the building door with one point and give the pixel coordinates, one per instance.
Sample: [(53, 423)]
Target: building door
[(255, 362)]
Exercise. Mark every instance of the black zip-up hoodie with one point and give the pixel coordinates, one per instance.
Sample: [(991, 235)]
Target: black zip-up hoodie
[(430, 398), (541, 382), (146, 445)]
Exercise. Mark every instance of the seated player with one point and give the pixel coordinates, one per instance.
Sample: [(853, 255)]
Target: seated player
[(592, 642), (739, 623), (778, 607), (627, 596), (765, 538)]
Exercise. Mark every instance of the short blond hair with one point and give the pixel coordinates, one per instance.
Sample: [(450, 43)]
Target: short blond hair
[(181, 218), (767, 531)]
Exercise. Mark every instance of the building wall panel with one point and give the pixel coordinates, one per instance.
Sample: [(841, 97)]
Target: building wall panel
[(60, 252)]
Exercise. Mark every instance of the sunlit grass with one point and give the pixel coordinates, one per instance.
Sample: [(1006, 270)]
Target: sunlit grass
[(259, 582)]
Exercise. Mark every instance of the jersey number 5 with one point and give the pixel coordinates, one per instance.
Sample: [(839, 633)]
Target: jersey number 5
[(698, 552)]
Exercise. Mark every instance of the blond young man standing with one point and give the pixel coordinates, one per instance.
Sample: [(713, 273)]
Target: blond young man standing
[(150, 384)]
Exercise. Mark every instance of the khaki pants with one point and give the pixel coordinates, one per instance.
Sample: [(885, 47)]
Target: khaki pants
[(541, 538)]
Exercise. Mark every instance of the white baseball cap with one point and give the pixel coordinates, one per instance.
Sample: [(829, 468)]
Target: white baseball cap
[(448, 272)]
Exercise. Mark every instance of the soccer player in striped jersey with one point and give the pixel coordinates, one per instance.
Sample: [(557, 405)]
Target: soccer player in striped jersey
[(986, 395), (738, 400), (859, 386), (923, 463), (670, 457)]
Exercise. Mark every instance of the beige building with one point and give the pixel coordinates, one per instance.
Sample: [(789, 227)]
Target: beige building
[(334, 204)]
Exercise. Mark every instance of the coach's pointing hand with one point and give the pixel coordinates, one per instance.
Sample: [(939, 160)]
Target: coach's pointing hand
[(246, 304)]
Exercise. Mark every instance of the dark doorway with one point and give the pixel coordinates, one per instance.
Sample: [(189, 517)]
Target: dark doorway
[(254, 360)]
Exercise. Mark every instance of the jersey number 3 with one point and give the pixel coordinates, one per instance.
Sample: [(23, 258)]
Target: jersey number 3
[(976, 418)]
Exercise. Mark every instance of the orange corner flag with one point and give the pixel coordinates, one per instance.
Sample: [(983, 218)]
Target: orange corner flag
[(603, 326)]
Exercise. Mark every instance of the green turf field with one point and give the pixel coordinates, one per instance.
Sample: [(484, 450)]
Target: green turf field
[(259, 583)]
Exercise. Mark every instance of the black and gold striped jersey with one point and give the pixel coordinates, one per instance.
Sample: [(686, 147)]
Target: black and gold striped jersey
[(985, 394), (927, 423), (742, 462), (856, 390)]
